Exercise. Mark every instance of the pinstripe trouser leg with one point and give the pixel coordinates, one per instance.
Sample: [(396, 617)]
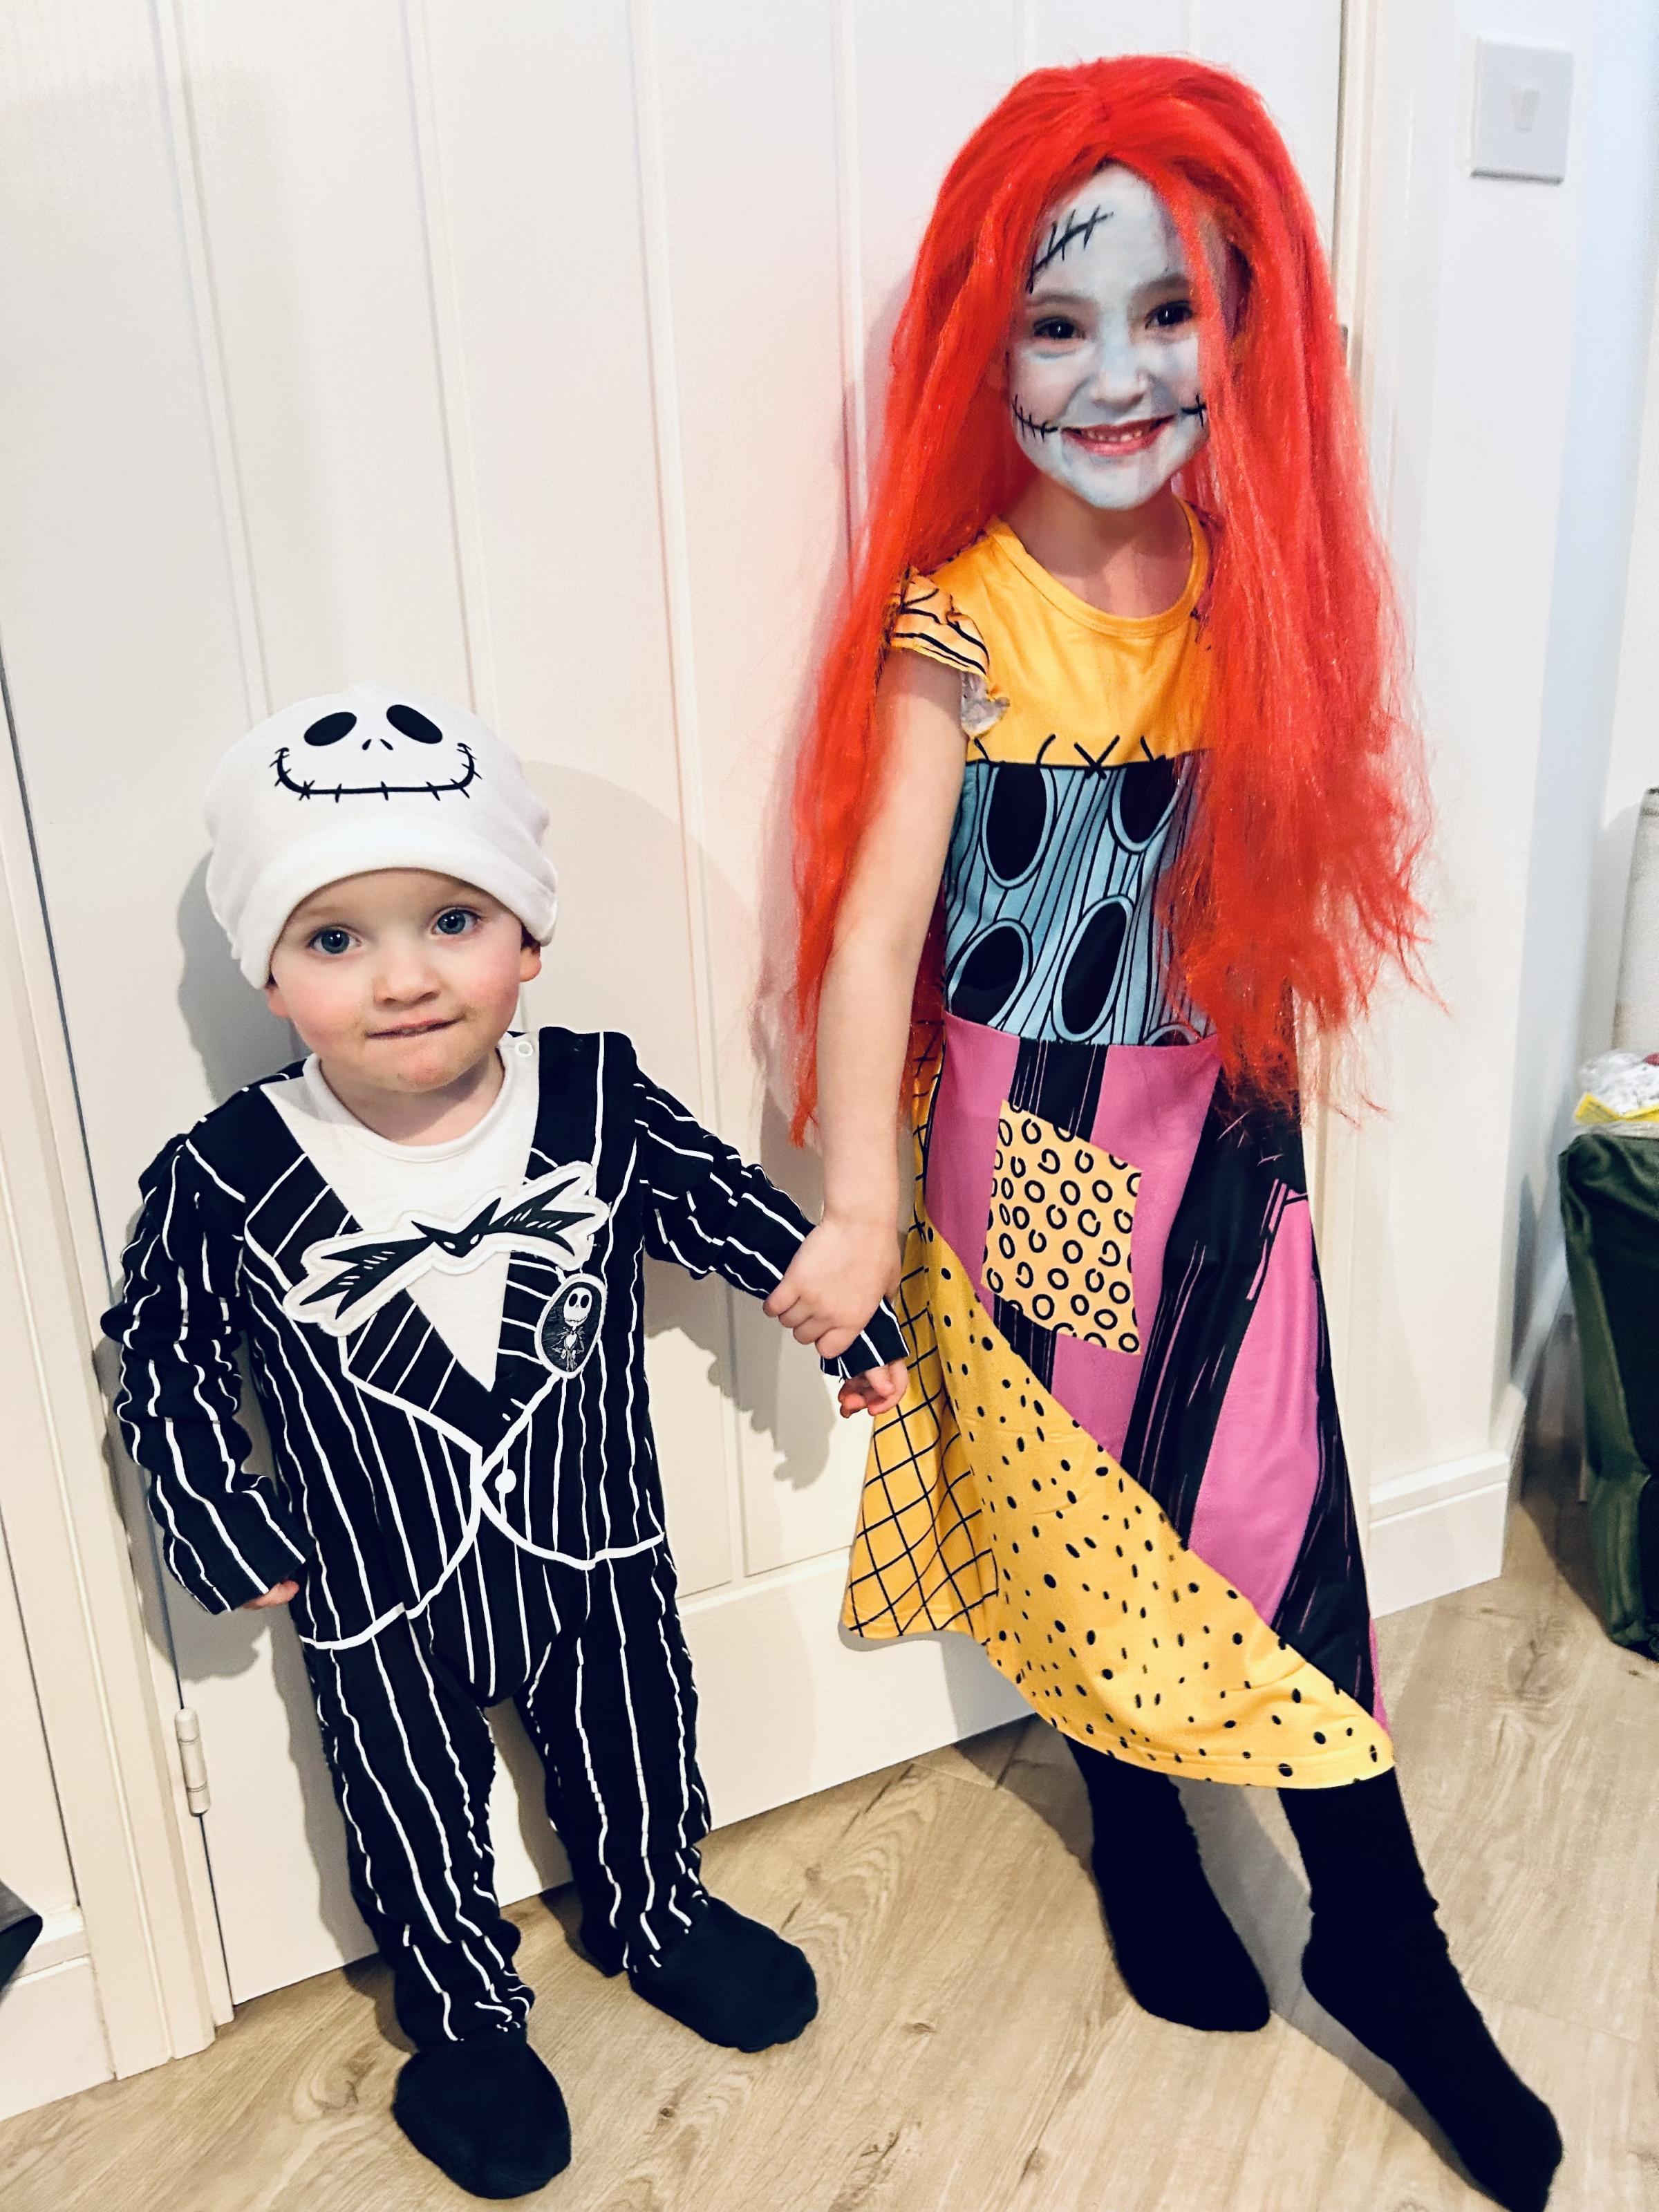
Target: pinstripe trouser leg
[(596, 1665), (612, 1710), (412, 1757)]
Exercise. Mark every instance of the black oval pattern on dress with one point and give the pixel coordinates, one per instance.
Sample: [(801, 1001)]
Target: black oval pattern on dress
[(331, 729), (991, 970), (1016, 819), (1089, 977), (1146, 793), (414, 724)]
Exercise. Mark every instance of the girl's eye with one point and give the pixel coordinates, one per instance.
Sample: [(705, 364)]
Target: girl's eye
[(455, 921), (1171, 315), (1055, 328), (331, 941)]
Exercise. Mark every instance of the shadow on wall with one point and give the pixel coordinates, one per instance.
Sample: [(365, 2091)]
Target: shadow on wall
[(233, 1032)]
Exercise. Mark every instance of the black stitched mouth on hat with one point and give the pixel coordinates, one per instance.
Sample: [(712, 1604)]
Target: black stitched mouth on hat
[(409, 722)]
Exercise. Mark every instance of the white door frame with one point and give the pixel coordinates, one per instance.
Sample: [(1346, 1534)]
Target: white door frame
[(89, 1590), (104, 1681)]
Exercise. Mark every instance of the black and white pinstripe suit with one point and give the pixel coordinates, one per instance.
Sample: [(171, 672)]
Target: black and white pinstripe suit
[(454, 1544)]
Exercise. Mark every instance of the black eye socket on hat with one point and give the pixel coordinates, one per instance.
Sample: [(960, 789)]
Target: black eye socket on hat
[(331, 729), (414, 724)]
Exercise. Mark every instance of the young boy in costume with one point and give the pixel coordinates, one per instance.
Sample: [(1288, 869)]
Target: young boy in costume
[(428, 1238)]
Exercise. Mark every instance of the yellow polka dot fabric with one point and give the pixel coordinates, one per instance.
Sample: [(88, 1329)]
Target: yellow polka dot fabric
[(1080, 1588), (1057, 1246)]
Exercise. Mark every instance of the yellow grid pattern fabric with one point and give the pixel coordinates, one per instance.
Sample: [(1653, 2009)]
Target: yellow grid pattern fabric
[(918, 1558)]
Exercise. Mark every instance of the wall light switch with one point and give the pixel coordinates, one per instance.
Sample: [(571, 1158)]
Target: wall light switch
[(1522, 107)]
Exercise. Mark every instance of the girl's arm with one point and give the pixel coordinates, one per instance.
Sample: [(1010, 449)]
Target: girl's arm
[(851, 1260)]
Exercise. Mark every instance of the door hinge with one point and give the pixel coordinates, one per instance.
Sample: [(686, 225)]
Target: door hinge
[(188, 1729)]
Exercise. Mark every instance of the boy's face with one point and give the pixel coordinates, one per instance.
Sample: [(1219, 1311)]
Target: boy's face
[(400, 979)]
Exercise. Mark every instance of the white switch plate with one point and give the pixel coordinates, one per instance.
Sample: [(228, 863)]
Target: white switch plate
[(1523, 108)]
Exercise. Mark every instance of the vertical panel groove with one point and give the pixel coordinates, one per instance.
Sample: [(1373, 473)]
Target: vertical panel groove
[(460, 462), (171, 73), (854, 338), (677, 596)]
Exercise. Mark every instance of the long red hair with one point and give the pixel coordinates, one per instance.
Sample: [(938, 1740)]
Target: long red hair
[(1295, 887)]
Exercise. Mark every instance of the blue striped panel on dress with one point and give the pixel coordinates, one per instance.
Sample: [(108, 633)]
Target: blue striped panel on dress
[(1050, 926)]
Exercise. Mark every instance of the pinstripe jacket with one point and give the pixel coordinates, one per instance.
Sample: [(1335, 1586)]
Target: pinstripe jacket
[(388, 1454)]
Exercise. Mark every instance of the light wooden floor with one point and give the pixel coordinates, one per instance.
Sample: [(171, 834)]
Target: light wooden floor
[(975, 2052)]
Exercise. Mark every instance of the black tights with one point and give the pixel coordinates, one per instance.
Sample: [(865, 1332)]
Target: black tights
[(1376, 1960)]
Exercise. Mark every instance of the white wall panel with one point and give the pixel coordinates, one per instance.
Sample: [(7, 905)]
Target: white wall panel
[(1291, 52), (1087, 30), (118, 604), (748, 256), (34, 1857), (304, 153)]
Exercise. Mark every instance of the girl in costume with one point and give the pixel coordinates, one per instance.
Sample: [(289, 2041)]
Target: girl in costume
[(1118, 781)]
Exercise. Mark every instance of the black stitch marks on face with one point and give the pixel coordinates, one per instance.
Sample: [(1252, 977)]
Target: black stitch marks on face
[(1053, 247), (308, 787), (1029, 423), (1199, 412), (331, 729)]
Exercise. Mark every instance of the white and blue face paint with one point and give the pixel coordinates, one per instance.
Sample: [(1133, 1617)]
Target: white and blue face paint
[(1102, 362)]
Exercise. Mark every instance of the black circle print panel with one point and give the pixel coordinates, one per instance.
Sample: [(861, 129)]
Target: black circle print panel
[(1146, 793), (991, 969), (1089, 976), (1016, 819)]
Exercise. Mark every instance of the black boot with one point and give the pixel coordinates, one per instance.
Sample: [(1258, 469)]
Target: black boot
[(733, 1981), (1377, 1961), (486, 2111), (1179, 1954)]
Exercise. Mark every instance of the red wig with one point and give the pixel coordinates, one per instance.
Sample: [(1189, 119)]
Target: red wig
[(1295, 887)]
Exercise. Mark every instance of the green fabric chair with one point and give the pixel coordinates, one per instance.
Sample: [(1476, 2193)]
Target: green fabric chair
[(1610, 1207)]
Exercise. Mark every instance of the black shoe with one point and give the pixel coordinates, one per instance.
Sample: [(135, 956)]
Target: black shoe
[(732, 1981), (486, 2111)]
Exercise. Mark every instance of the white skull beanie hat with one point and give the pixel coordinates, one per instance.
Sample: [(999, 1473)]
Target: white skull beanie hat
[(363, 779)]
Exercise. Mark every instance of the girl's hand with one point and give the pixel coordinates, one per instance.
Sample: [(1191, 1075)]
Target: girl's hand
[(876, 1392), (278, 1593), (841, 1274)]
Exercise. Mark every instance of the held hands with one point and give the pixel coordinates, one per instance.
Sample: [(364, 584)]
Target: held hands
[(841, 1274), (278, 1593), (876, 1391)]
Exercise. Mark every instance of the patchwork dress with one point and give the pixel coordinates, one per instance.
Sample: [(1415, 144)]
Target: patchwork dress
[(1119, 1463)]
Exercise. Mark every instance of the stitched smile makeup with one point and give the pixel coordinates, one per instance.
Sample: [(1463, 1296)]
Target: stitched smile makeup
[(1103, 364)]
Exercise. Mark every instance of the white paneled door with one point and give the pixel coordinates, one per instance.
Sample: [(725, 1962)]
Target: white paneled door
[(527, 353)]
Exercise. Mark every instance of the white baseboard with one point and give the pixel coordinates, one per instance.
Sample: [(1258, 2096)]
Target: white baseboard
[(52, 2035), (1441, 1528), (1438, 1529)]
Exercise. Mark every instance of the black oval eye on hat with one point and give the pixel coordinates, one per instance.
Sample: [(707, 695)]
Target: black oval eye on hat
[(331, 729), (414, 724)]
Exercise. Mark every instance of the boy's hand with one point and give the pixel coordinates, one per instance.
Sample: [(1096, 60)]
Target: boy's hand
[(278, 1593), (841, 1274), (878, 1391)]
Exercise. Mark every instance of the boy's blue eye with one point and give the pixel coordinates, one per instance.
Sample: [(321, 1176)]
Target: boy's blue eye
[(332, 940), (455, 922)]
